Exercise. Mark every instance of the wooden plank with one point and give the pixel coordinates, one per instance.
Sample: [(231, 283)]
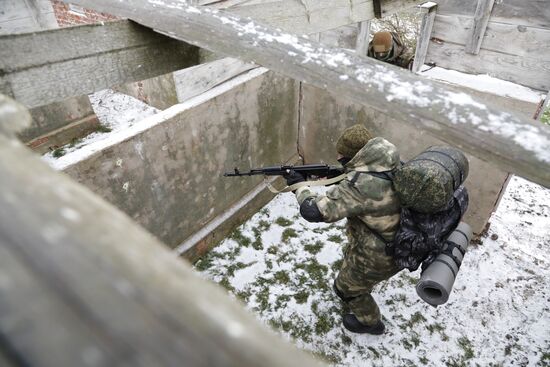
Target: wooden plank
[(310, 16), (84, 285), (515, 144), (48, 66), (481, 19), (535, 13), (305, 16), (377, 8), (388, 7), (527, 71), (363, 38), (195, 80), (424, 36), (499, 37), (343, 37)]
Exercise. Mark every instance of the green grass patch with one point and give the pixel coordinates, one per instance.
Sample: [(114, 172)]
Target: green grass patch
[(204, 263), (240, 238), (281, 277), (301, 297), (466, 346), (103, 129), (288, 233), (545, 118), (324, 324), (335, 238), (314, 248), (416, 318), (283, 222), (59, 152)]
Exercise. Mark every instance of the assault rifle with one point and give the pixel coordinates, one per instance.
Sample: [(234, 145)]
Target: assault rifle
[(308, 170)]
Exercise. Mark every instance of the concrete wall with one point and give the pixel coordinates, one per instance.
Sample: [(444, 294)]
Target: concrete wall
[(18, 16), (323, 117), (169, 177), (54, 116), (159, 92)]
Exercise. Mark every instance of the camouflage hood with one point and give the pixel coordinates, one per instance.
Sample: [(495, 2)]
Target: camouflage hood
[(377, 155)]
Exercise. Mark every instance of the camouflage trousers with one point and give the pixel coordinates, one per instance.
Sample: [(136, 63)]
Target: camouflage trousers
[(365, 265)]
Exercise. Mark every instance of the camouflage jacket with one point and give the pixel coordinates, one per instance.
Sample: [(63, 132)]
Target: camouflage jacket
[(369, 202), (400, 55)]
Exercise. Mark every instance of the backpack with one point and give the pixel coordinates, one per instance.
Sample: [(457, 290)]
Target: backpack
[(433, 202)]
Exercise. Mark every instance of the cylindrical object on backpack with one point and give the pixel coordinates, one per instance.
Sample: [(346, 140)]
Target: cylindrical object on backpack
[(427, 182), (436, 282)]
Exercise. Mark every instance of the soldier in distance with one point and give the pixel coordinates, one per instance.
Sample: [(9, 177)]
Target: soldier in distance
[(372, 209), (388, 47)]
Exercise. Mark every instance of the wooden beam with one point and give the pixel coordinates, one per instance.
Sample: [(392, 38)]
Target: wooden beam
[(82, 284), (43, 67), (428, 17), (481, 19), (388, 7), (363, 37), (515, 144), (377, 8), (310, 16), (198, 79)]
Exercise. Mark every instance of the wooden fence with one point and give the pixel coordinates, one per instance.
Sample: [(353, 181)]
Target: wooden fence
[(506, 39)]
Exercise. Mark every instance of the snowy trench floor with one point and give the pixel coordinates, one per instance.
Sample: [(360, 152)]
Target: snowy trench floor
[(282, 267)]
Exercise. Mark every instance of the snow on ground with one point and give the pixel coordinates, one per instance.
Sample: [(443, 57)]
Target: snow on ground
[(282, 268), (115, 111)]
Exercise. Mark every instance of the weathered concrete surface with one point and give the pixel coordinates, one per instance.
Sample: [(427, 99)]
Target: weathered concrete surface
[(18, 16), (196, 249), (65, 135), (159, 92), (323, 117), (169, 177), (49, 118)]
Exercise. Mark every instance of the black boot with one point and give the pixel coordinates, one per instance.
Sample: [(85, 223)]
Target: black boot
[(355, 326)]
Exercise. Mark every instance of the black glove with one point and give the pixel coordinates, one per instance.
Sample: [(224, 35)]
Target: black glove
[(293, 177)]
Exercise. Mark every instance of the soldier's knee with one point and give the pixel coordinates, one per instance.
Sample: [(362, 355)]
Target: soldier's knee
[(341, 294)]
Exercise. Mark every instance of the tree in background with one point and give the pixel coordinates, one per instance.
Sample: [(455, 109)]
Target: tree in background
[(406, 24)]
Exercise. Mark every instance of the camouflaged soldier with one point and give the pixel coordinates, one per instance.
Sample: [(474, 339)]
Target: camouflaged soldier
[(388, 47), (372, 208)]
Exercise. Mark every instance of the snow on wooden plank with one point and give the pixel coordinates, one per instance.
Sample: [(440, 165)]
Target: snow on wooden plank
[(514, 143), (310, 16), (48, 66)]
